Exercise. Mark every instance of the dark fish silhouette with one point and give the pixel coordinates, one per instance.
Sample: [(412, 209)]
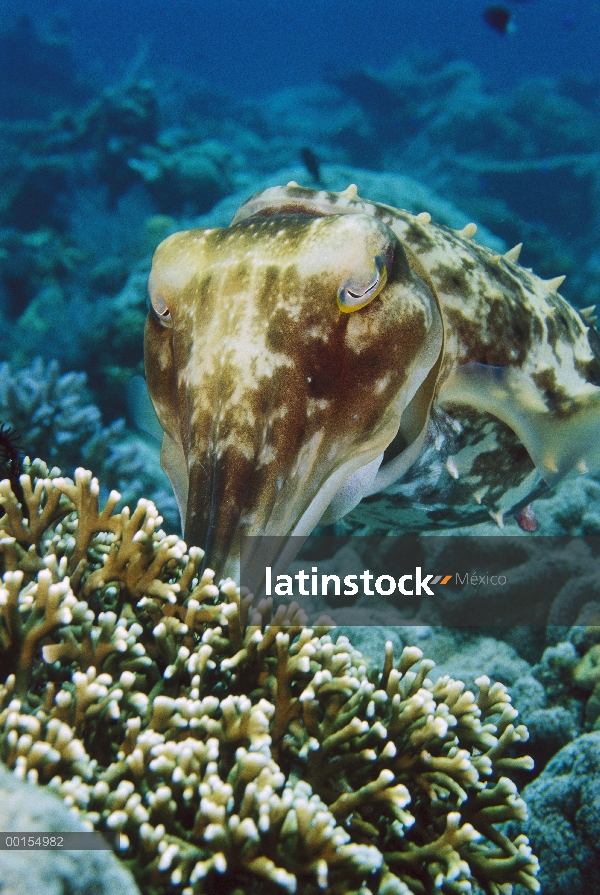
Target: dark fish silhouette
[(311, 163), (498, 18)]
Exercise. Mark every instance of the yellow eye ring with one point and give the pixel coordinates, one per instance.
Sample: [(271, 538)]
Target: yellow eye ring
[(352, 300), (160, 309)]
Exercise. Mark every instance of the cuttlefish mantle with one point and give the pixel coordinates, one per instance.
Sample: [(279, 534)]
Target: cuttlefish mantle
[(323, 350)]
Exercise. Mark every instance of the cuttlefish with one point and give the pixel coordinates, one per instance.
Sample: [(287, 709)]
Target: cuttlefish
[(324, 350)]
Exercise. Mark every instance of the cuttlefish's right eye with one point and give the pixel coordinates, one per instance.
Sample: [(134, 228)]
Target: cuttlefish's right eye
[(362, 288), (160, 309)]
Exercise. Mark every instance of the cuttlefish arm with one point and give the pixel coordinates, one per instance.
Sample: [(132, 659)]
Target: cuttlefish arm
[(281, 354)]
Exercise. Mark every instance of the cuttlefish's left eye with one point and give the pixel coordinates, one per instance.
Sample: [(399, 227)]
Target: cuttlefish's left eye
[(355, 293), (159, 306)]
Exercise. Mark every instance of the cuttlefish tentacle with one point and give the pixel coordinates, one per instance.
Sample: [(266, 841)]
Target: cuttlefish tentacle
[(324, 348)]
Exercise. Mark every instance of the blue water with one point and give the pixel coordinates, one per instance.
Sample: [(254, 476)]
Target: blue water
[(253, 47)]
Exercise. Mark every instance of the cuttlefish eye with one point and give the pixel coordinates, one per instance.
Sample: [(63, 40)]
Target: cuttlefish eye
[(159, 306), (358, 291)]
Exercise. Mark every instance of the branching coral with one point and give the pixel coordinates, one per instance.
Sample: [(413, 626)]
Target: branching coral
[(586, 674), (231, 755), (54, 416)]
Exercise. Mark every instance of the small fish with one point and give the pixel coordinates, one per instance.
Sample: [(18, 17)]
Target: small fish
[(311, 163), (499, 18), (526, 519)]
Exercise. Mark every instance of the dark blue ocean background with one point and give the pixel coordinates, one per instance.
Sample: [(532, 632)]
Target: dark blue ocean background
[(123, 122), (253, 48)]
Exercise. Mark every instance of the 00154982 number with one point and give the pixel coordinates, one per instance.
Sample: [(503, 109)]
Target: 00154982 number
[(35, 841)]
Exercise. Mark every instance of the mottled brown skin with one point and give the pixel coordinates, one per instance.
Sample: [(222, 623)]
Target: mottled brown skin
[(476, 379), (270, 389)]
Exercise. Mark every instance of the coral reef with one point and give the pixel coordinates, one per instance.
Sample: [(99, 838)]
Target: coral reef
[(54, 416), (568, 667), (190, 178), (560, 693), (586, 673), (564, 827), (115, 126), (232, 747), (31, 263), (555, 690)]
